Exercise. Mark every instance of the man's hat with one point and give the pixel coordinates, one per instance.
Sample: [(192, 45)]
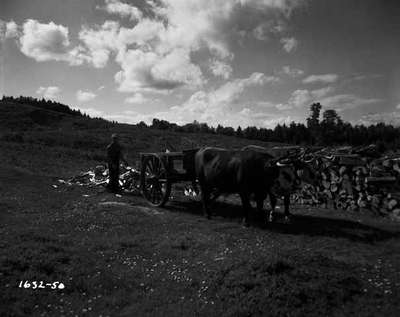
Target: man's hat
[(114, 136)]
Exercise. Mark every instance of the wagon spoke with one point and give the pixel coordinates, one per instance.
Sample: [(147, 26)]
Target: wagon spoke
[(151, 165)]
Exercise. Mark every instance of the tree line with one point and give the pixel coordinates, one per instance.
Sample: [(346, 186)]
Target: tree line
[(44, 104), (326, 128)]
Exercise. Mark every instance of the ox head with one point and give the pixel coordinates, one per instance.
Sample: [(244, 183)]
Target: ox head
[(302, 168)]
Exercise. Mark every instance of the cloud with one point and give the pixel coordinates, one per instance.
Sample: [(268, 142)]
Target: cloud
[(374, 118), (147, 71), (137, 98), (217, 105), (46, 42), (51, 92), (122, 9), (12, 30), (222, 69), (267, 30), (326, 79), (100, 42), (366, 76), (85, 96), (347, 101), (8, 30), (289, 44), (285, 6), (165, 39), (292, 72), (301, 98)]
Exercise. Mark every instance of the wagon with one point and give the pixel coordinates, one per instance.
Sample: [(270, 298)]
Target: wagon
[(160, 170)]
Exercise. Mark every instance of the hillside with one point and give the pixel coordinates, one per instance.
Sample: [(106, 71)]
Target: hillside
[(51, 141)]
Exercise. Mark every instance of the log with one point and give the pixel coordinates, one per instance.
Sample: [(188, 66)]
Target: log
[(378, 180)]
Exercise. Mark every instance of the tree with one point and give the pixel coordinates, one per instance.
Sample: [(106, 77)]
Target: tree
[(331, 118), (313, 122), (313, 119), (332, 127), (239, 132)]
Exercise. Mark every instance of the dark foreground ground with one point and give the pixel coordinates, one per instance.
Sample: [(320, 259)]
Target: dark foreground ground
[(118, 257)]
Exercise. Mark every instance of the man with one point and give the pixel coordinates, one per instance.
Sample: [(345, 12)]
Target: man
[(114, 156)]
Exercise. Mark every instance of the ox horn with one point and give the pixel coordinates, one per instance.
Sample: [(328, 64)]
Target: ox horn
[(281, 164), (310, 160)]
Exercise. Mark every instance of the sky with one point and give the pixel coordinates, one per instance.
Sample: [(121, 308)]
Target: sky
[(230, 62)]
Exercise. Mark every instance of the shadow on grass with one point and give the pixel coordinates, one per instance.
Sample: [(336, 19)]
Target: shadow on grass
[(310, 225)]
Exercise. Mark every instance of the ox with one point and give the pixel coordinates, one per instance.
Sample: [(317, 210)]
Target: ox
[(221, 171), (290, 173)]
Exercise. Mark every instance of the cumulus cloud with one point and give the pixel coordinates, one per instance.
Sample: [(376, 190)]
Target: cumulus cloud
[(301, 98), (51, 92), (147, 71), (122, 9), (216, 106), (222, 69), (164, 41), (137, 98), (46, 42), (292, 72), (289, 44), (325, 78), (100, 42), (155, 53), (85, 96)]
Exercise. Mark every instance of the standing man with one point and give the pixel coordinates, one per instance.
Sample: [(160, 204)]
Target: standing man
[(114, 156)]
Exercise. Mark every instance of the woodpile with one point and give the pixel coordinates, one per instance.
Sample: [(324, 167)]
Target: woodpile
[(356, 179)]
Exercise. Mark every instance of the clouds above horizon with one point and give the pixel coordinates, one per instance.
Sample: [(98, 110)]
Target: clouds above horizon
[(51, 92), (85, 96), (238, 62), (325, 79)]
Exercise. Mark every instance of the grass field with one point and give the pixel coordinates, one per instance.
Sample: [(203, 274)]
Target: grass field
[(117, 256)]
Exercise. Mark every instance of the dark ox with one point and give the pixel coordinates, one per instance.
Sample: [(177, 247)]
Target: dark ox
[(289, 175), (221, 171)]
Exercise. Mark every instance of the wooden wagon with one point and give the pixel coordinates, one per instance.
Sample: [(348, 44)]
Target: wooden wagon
[(160, 170)]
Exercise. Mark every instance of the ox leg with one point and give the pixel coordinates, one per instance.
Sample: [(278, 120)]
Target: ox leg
[(286, 202), (260, 206), (246, 208), (272, 200), (206, 204), (205, 199)]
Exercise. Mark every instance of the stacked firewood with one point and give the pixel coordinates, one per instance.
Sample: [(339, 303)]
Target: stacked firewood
[(356, 179)]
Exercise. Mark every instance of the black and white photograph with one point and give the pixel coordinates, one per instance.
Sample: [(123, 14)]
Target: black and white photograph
[(200, 158)]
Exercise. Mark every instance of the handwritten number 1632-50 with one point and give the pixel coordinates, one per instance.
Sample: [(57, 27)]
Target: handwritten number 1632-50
[(40, 284)]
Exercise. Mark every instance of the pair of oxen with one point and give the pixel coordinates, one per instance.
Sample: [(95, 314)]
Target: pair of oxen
[(251, 172)]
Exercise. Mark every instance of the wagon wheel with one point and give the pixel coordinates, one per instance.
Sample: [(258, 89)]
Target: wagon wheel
[(156, 187)]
